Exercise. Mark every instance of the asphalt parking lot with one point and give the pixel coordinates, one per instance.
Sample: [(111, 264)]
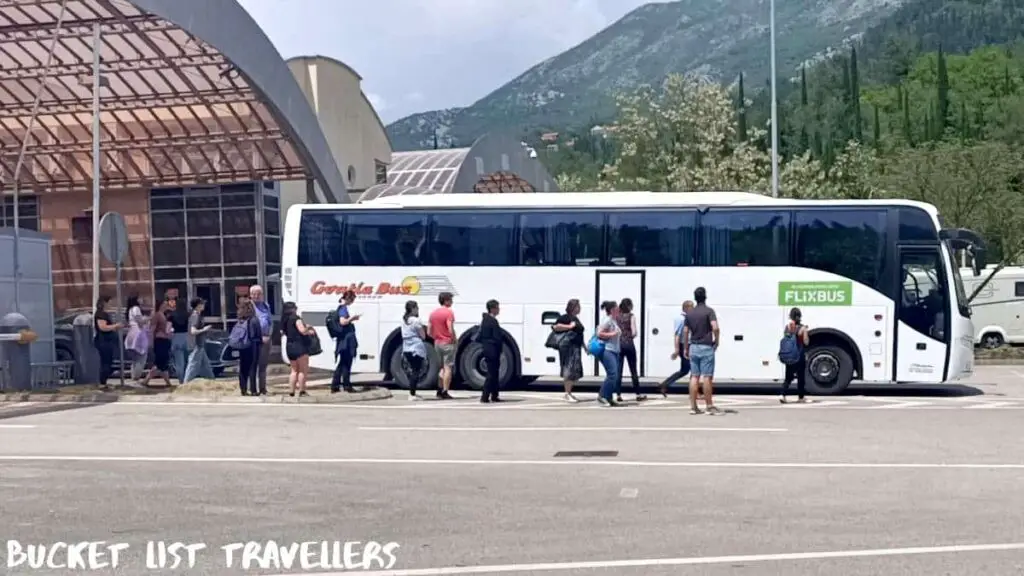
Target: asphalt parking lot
[(924, 483)]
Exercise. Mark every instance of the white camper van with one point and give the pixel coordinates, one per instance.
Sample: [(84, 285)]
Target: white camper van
[(998, 310)]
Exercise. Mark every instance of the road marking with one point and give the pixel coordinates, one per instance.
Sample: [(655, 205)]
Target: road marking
[(629, 493), (895, 404), (17, 426), (691, 561), (561, 429), (990, 406), (559, 462)]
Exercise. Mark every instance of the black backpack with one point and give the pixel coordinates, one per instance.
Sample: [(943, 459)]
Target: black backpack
[(334, 324)]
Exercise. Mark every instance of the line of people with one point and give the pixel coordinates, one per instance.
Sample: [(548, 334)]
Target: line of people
[(696, 338)]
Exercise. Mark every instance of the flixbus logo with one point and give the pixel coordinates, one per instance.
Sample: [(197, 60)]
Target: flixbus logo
[(409, 286)]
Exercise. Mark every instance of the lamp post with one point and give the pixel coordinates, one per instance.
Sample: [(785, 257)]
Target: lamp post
[(43, 87), (775, 104), (97, 82)]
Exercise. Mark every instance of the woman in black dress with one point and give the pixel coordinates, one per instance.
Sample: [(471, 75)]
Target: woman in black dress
[(161, 345), (295, 333), (569, 349), (105, 339)]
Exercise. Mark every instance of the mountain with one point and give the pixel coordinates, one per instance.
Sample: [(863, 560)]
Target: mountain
[(718, 37)]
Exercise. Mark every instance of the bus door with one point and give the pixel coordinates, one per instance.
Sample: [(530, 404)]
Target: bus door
[(616, 285), (922, 331)]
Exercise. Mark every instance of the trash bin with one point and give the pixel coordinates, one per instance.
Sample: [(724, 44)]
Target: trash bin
[(15, 356), (87, 359)]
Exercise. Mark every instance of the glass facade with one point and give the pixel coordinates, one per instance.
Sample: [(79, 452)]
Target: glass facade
[(214, 242), (28, 212)]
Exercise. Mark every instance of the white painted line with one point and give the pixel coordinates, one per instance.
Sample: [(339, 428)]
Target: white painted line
[(629, 493), (1018, 373), (816, 404), (897, 404), (691, 561), (558, 462), (990, 406), (17, 426), (560, 429)]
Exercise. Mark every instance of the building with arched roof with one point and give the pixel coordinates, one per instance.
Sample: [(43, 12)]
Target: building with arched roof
[(354, 130), (493, 164), (200, 119)]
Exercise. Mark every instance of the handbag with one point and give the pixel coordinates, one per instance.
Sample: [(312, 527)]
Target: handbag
[(556, 339), (596, 346), (313, 344)]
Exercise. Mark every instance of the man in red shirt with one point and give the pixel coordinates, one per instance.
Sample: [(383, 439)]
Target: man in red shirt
[(441, 326)]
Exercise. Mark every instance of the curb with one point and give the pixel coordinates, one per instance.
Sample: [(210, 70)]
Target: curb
[(108, 398), (999, 361)]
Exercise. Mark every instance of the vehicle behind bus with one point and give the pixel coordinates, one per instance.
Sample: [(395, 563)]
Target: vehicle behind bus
[(876, 281)]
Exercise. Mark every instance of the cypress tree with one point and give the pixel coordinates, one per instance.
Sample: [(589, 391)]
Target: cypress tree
[(855, 96), (877, 132), (965, 130), (844, 120), (804, 112), (741, 107), (908, 133), (942, 113), (899, 97)]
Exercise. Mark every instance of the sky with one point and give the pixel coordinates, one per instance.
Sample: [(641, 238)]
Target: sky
[(419, 55)]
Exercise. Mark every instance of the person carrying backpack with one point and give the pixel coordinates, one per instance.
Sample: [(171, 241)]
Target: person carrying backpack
[(791, 354), (341, 327)]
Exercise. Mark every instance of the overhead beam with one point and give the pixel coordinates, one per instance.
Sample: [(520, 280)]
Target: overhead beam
[(82, 28), (136, 103), (112, 67), (161, 142)]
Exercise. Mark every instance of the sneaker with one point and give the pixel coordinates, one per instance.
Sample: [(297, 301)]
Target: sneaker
[(804, 401), (695, 411), (446, 396), (570, 399), (712, 411), (618, 398), (782, 398), (604, 403), (414, 398), (640, 397)]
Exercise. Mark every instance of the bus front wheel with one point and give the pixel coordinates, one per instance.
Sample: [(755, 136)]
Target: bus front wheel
[(829, 370), (471, 366), (431, 369)]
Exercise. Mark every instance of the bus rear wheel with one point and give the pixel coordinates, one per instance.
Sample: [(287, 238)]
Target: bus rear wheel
[(432, 368), (471, 366), (829, 370)]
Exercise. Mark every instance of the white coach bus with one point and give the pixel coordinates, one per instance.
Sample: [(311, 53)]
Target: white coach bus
[(849, 265)]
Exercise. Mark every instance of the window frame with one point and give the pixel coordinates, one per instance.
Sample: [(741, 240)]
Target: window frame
[(682, 260), (787, 245), (521, 227)]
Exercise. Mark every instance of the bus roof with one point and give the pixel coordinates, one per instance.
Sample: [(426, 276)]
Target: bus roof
[(605, 200)]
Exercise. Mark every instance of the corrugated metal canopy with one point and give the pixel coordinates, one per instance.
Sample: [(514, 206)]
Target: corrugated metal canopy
[(385, 190), (435, 169), (174, 110)]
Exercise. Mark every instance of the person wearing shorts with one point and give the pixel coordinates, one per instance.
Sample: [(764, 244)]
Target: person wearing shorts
[(700, 341), (442, 329)]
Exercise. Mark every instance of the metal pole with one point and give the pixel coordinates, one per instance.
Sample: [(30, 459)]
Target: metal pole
[(96, 164), (775, 105), (21, 154)]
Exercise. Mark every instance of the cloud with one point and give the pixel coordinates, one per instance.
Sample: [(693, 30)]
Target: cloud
[(379, 104), (417, 55)]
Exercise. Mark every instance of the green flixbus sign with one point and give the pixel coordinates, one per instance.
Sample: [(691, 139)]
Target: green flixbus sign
[(815, 293)]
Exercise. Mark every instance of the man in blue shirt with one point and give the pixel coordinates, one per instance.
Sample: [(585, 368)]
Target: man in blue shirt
[(266, 318), (684, 364)]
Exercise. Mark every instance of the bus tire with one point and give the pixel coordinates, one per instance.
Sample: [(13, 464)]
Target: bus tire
[(433, 369), (470, 362), (829, 370)]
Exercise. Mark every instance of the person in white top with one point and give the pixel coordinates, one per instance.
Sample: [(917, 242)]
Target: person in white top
[(414, 351), (137, 341)]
